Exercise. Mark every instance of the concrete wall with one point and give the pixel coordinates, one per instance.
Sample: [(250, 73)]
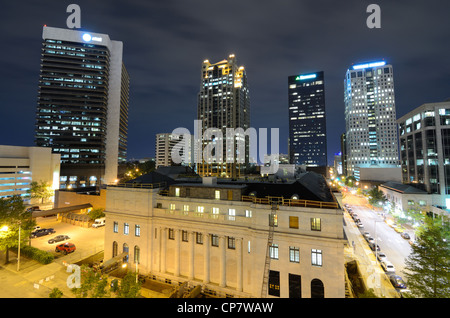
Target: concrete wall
[(68, 198)]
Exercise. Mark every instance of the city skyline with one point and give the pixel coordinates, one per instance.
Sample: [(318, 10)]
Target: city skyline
[(164, 39)]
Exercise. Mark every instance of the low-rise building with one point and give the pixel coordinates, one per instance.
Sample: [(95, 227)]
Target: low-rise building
[(222, 235), (403, 197), (19, 166)]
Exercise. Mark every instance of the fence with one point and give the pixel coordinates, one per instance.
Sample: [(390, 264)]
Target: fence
[(290, 202)]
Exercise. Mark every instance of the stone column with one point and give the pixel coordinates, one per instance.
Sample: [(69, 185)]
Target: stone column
[(239, 264), (177, 252), (191, 254), (163, 232), (206, 269), (223, 261)]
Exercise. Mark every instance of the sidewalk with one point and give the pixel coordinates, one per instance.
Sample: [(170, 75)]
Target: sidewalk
[(33, 280)]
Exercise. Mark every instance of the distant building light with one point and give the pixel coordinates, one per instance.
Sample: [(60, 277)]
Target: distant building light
[(305, 77), (368, 65), (87, 37)]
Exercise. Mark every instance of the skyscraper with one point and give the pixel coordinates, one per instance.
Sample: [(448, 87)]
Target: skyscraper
[(224, 102), (370, 119), (307, 120), (82, 110)]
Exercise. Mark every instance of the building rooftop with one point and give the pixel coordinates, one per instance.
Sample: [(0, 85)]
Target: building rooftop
[(403, 188)]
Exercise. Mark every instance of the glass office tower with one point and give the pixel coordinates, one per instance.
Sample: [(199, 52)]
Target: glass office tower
[(82, 110), (370, 118), (307, 120)]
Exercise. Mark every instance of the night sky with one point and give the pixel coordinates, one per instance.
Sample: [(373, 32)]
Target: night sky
[(165, 43)]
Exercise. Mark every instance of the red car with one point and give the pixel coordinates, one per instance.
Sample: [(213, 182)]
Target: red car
[(65, 248)]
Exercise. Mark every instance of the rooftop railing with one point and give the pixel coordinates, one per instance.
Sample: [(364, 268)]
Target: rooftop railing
[(290, 202), (138, 185)]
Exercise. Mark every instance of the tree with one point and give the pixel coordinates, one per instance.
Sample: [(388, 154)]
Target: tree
[(129, 288), (93, 284), (427, 267), (376, 197), (350, 181), (96, 213), (40, 190), (13, 215)]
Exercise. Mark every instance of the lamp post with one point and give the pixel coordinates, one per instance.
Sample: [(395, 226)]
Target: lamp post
[(18, 250)]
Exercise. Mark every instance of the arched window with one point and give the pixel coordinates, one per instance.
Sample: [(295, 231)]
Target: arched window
[(114, 249), (137, 254), (317, 289), (125, 249)]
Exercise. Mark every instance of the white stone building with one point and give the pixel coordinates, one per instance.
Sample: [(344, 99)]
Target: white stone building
[(216, 235)]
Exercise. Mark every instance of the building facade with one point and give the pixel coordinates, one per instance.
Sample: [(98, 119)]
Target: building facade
[(307, 120), (370, 116), (82, 111), (217, 236), (425, 150), (344, 154), (19, 166), (163, 147), (223, 102)]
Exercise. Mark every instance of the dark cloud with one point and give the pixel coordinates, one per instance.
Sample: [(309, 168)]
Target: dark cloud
[(165, 43)]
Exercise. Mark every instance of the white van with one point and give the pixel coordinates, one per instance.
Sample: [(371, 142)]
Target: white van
[(99, 222)]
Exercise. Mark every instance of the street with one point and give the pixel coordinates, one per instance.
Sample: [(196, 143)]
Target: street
[(390, 242)]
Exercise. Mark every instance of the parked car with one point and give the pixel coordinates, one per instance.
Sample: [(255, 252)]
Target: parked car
[(372, 246), (371, 240), (58, 238), (99, 222), (366, 235), (405, 236), (359, 224), (388, 267), (42, 232), (398, 229), (37, 227), (412, 242), (65, 248), (381, 257), (397, 281)]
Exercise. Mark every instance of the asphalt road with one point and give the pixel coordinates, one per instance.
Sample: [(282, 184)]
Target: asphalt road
[(396, 248)]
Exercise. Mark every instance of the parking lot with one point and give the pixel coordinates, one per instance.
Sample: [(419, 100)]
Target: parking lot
[(88, 241)]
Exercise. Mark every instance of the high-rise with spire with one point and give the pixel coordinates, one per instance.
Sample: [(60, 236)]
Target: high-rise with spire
[(224, 102)]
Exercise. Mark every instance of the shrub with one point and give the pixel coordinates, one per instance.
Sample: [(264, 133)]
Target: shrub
[(41, 256), (55, 293)]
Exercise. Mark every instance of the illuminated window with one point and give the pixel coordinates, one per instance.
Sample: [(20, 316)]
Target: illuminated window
[(273, 251), (316, 257), (315, 224), (294, 254)]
